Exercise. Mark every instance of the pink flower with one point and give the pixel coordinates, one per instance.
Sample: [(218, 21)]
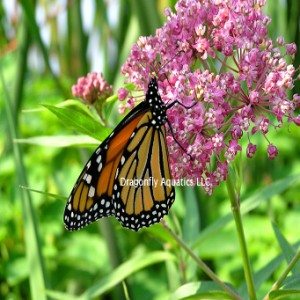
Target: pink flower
[(122, 94), (236, 132), (251, 149), (244, 92), (291, 49), (297, 120), (272, 151), (254, 97), (92, 87), (232, 149)]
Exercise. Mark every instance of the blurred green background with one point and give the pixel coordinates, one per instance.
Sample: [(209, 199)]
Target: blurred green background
[(44, 47)]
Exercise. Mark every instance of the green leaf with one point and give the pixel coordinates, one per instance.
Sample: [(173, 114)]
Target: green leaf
[(200, 290), (249, 204), (191, 223), (80, 120), (108, 106), (285, 295), (262, 275), (17, 271), (73, 103), (130, 86), (292, 282), (54, 295), (191, 226), (76, 104), (287, 249), (60, 141), (123, 271)]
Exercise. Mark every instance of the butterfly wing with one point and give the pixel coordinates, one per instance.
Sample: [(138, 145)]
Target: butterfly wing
[(144, 161), (91, 197)]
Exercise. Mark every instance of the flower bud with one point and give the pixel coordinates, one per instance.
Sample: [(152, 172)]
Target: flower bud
[(251, 149), (122, 94), (272, 151)]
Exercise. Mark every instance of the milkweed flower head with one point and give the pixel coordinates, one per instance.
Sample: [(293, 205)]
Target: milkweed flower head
[(218, 54), (92, 87)]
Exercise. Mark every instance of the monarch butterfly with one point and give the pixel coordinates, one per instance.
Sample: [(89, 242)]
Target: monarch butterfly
[(136, 149)]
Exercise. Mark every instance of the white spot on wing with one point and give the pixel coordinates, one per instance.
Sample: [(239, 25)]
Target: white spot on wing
[(122, 160), (88, 178), (91, 191)]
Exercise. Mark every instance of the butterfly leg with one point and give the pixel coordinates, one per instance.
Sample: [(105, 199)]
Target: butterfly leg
[(177, 142), (179, 103)]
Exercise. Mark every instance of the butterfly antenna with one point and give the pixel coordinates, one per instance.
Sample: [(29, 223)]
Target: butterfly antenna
[(169, 60)]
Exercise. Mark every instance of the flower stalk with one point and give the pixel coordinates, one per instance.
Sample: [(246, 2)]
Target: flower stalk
[(203, 266), (235, 206)]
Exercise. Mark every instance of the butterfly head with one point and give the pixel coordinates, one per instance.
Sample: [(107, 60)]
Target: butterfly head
[(153, 84)]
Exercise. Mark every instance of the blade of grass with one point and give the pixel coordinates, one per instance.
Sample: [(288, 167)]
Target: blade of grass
[(37, 275), (60, 141), (83, 39), (122, 31), (123, 271), (191, 223), (23, 52), (55, 196), (28, 10), (148, 16), (106, 36), (116, 277), (249, 204), (286, 248)]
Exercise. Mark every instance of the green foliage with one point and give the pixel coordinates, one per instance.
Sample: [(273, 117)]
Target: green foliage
[(78, 119), (45, 141)]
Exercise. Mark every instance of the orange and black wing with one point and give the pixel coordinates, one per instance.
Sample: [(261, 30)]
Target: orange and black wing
[(91, 197), (136, 152), (143, 193)]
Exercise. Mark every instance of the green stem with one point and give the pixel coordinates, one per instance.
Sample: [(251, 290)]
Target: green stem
[(200, 262), (285, 273), (235, 206)]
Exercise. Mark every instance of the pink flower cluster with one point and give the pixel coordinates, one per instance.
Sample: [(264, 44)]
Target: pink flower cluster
[(92, 87), (216, 53)]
